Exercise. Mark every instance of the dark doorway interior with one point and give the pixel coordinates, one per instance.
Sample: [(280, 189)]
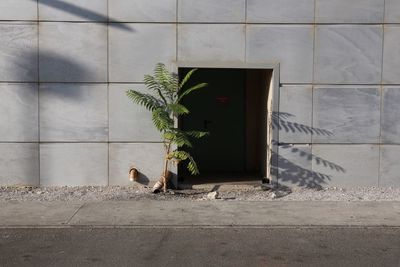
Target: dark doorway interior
[(233, 108)]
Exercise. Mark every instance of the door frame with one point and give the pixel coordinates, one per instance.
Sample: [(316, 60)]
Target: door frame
[(273, 138)]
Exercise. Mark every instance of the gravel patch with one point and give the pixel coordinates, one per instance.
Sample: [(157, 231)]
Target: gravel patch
[(232, 193)]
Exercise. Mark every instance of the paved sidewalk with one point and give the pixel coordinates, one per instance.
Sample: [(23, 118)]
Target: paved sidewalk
[(206, 213)]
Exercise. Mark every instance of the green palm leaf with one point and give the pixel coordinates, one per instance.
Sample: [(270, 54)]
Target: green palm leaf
[(161, 119), (182, 156), (197, 134), (187, 78), (178, 109), (146, 100), (191, 89)]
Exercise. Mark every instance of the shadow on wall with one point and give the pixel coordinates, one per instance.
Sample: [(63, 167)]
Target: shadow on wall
[(83, 13), (280, 121), (143, 179), (289, 172)]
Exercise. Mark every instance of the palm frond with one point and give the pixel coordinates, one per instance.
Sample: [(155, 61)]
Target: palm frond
[(174, 84), (168, 135), (180, 138), (178, 109), (186, 78), (161, 120), (179, 154), (197, 134), (182, 156), (152, 83), (165, 79), (148, 101), (191, 89)]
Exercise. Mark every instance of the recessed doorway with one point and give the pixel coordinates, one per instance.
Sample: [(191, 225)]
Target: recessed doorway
[(233, 108)]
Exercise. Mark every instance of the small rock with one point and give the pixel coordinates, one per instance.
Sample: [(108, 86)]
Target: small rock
[(212, 195), (273, 195)]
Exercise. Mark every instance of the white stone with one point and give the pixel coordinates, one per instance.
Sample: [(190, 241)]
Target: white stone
[(73, 10), (142, 10), (211, 42), (290, 45), (19, 120), (211, 11), (128, 121), (391, 55), (348, 54), (73, 52), (73, 112), (347, 165), (73, 164), (132, 54), (19, 164), (18, 52), (18, 10), (349, 11), (346, 114), (295, 114), (281, 11)]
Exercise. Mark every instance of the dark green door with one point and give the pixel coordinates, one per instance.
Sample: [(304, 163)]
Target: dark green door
[(219, 109)]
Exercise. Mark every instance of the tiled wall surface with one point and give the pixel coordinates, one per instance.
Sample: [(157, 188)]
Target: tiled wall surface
[(65, 66)]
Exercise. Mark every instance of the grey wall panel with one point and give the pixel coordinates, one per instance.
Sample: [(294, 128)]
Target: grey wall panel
[(391, 55), (347, 165), (282, 11), (73, 52), (349, 11), (390, 127), (19, 164), (142, 10), (129, 122), (350, 115), (18, 10), (19, 112), (73, 10), (211, 11), (73, 112), (348, 54), (146, 157), (295, 114), (389, 166), (392, 11), (211, 42), (18, 52), (295, 167), (134, 53), (291, 46), (73, 164)]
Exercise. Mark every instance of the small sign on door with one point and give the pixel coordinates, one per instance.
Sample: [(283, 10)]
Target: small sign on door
[(222, 100)]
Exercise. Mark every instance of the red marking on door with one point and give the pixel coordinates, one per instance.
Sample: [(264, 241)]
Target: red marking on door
[(222, 100)]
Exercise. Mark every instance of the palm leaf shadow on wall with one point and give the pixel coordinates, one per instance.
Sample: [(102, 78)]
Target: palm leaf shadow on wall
[(84, 13), (290, 172)]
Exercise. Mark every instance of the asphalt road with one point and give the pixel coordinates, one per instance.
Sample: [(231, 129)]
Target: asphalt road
[(200, 247)]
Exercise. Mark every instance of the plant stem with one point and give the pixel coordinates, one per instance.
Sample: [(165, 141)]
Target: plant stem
[(165, 171)]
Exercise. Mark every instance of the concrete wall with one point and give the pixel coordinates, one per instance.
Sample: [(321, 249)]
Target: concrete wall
[(65, 64)]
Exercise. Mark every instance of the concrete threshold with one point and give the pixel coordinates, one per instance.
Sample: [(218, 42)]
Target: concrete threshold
[(149, 213)]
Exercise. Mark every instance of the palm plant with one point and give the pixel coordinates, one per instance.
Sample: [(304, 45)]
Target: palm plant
[(165, 105)]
